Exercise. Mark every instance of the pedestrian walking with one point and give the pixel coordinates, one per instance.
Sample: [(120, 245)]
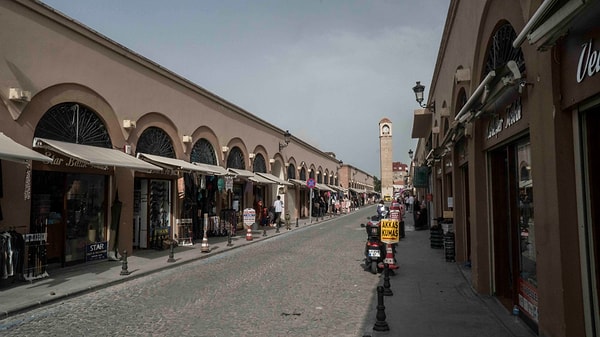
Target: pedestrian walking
[(278, 205)]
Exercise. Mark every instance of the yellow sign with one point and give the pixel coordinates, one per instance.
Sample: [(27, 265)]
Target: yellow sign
[(390, 231)]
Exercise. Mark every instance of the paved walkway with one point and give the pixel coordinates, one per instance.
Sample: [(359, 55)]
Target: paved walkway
[(431, 297), (434, 298)]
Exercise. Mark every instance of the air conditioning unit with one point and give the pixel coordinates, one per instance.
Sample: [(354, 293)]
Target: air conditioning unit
[(19, 95)]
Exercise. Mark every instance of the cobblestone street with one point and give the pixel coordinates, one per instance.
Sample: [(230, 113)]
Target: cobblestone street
[(309, 282)]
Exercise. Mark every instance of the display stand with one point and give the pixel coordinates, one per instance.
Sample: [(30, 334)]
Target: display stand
[(184, 232), (35, 256)]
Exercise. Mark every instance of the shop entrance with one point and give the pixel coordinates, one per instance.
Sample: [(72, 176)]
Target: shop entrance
[(592, 218), (515, 277), (72, 206)]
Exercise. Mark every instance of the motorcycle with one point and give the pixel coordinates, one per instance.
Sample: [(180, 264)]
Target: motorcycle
[(374, 248)]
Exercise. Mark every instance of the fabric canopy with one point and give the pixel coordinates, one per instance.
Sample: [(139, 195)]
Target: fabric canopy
[(213, 169), (298, 182), (173, 163), (13, 151), (324, 187), (273, 178), (95, 156), (241, 173), (261, 180)]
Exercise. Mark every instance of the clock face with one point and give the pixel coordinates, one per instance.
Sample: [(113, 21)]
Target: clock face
[(385, 130)]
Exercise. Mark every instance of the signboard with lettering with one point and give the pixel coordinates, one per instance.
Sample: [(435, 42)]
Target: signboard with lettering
[(96, 251), (249, 216), (390, 231)]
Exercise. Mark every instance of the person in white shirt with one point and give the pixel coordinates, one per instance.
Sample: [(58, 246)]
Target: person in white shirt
[(411, 201), (278, 205)]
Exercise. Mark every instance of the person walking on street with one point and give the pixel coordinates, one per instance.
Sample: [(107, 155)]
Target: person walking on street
[(411, 200), (278, 205)]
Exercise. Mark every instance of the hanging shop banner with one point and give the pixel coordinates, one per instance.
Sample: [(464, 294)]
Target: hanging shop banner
[(390, 231), (420, 178)]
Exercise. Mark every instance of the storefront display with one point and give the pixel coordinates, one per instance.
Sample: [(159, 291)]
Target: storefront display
[(152, 212), (72, 207)]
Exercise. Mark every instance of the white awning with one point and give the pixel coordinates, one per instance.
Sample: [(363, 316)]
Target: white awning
[(100, 157), (172, 163), (323, 187), (339, 189), (261, 180), (298, 182), (273, 178), (13, 151), (213, 169), (241, 173)]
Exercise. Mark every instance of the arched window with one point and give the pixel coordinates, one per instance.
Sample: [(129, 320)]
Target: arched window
[(259, 164), (303, 174), (73, 123), (155, 141), (203, 152), (501, 50), (235, 159), (291, 171)]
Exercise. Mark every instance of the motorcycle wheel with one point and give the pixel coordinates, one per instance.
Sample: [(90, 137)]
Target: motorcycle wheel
[(374, 267)]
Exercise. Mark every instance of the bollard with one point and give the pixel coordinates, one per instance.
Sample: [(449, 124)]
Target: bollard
[(296, 222), (287, 221), (124, 270), (380, 324), (171, 253), (387, 291), (249, 233), (205, 248)]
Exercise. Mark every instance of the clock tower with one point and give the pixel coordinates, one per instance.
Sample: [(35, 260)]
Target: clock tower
[(385, 158)]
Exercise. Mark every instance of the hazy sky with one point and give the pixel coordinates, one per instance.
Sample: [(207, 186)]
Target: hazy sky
[(327, 70)]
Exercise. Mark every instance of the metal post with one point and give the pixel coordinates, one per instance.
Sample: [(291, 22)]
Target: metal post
[(205, 248), (296, 222), (380, 324), (387, 291), (171, 253), (310, 204), (124, 270), (229, 244)]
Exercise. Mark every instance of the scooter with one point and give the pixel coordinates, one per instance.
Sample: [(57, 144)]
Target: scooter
[(374, 248)]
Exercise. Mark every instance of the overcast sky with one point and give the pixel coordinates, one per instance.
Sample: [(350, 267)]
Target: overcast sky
[(327, 70)]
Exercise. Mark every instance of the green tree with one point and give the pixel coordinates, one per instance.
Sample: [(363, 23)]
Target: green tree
[(376, 184)]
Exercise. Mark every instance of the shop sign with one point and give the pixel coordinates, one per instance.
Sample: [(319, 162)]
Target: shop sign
[(589, 62), (229, 183), (64, 161), (528, 299), (513, 114), (96, 251), (390, 231), (249, 216)]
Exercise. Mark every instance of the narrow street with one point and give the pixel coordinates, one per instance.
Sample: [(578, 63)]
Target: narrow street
[(309, 282)]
